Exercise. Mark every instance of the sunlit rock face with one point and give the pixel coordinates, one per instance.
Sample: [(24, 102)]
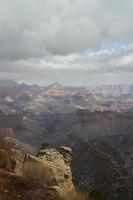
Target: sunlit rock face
[(47, 176), (52, 168)]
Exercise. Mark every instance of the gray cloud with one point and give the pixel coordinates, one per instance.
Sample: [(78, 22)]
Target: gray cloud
[(45, 40)]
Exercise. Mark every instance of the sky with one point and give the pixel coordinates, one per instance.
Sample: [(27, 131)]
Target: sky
[(74, 42)]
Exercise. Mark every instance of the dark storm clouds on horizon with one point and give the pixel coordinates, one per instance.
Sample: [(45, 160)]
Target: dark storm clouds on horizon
[(47, 40)]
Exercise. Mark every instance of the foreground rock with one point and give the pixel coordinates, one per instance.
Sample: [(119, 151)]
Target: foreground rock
[(52, 170), (11, 160), (47, 176)]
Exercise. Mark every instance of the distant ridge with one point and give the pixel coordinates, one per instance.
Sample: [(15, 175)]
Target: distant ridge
[(56, 89)]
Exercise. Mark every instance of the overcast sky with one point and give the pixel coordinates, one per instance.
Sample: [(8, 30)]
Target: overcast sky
[(74, 42)]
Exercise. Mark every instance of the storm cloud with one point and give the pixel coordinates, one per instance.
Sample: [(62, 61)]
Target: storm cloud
[(62, 40)]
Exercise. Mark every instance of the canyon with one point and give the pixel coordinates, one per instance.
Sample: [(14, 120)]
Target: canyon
[(56, 138)]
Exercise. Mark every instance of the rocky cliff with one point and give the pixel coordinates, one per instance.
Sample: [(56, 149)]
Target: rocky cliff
[(96, 165), (47, 176), (51, 167)]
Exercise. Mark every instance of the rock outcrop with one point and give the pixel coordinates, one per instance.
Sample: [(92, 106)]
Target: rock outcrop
[(52, 168), (5, 160), (47, 176), (11, 160)]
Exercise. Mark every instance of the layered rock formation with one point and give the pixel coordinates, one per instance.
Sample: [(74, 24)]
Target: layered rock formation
[(47, 176), (52, 168)]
